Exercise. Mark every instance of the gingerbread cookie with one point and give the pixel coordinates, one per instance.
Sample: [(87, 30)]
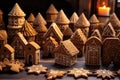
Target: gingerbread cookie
[(37, 69), (79, 72), (52, 74), (15, 66), (105, 73)]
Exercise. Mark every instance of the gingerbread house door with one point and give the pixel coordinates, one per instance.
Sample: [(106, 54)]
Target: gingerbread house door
[(30, 60)]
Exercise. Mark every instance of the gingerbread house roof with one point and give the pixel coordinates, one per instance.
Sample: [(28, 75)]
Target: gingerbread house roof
[(114, 21), (52, 40), (3, 35), (68, 32), (78, 36), (31, 18), (93, 19), (109, 30), (16, 11), (62, 18), (34, 44), (27, 30), (52, 10), (8, 47), (96, 33), (20, 37), (54, 27), (41, 28), (74, 18), (1, 12), (94, 40), (82, 21), (39, 20), (68, 47)]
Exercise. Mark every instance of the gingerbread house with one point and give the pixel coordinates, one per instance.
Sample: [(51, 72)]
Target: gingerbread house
[(108, 31), (31, 18), (3, 38), (18, 44), (115, 22), (7, 52), (51, 14), (94, 23), (97, 34), (110, 50), (68, 33), (73, 20), (39, 20), (28, 32), (54, 32), (32, 53), (83, 24), (66, 53), (48, 47), (93, 51), (79, 39), (41, 30), (2, 24), (15, 21), (62, 21)]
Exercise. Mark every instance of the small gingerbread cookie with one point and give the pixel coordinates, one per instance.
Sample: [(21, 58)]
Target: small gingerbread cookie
[(79, 72), (105, 73), (37, 69), (52, 74)]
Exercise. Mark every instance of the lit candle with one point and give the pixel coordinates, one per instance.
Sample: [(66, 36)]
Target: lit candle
[(104, 11)]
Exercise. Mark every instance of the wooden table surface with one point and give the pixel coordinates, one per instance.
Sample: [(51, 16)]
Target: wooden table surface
[(50, 64)]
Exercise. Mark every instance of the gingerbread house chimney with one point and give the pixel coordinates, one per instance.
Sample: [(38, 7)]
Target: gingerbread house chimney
[(28, 32), (31, 18), (83, 24), (73, 20), (15, 21), (51, 14), (94, 23), (39, 20), (62, 21), (115, 22)]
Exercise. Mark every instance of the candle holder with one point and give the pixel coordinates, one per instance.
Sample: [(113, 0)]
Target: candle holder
[(105, 7)]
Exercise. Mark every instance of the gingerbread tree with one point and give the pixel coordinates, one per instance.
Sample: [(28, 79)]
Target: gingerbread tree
[(115, 22), (39, 20), (3, 38), (62, 21), (73, 20), (83, 24), (93, 51), (108, 31), (28, 32), (15, 21), (94, 23), (79, 39), (2, 24), (97, 34), (51, 14), (54, 32), (31, 18), (41, 30)]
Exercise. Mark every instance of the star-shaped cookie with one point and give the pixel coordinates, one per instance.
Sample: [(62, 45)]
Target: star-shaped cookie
[(37, 69), (15, 66), (79, 72), (52, 74), (105, 73)]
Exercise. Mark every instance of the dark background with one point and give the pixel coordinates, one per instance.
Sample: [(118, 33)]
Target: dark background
[(35, 6)]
